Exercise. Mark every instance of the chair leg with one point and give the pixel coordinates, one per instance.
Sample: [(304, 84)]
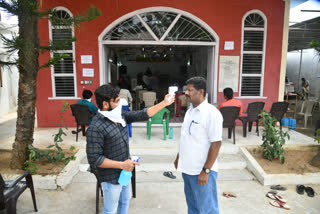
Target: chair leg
[(97, 198), (229, 132), (83, 128), (244, 128), (257, 129), (133, 183), (77, 133), (12, 206), (305, 121), (250, 126), (164, 130), (234, 134), (31, 187)]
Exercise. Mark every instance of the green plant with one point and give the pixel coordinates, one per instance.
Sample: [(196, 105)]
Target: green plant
[(54, 155), (273, 138), (317, 138)]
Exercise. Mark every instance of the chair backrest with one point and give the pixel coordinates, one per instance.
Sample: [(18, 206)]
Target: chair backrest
[(133, 83), (278, 109), (302, 107), (81, 113), (140, 94), (183, 100), (159, 117), (309, 107), (124, 96), (229, 114), (149, 98), (254, 109)]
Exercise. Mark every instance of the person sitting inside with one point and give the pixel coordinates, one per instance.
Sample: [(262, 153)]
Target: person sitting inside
[(87, 94), (228, 95)]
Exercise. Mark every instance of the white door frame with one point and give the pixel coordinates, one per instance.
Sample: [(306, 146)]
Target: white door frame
[(214, 60)]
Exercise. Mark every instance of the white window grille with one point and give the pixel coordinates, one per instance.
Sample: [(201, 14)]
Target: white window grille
[(159, 26), (253, 54), (63, 72)]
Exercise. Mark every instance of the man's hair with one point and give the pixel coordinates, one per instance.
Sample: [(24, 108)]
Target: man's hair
[(86, 94), (198, 83), (303, 79), (228, 93), (106, 93)]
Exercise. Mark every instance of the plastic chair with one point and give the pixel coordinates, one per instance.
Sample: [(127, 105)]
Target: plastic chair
[(82, 116), (11, 190), (129, 125), (139, 98), (159, 118), (149, 98), (230, 114), (94, 171), (308, 110), (278, 109), (253, 111)]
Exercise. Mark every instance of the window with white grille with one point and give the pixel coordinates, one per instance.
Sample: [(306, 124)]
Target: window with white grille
[(253, 54), (63, 72)]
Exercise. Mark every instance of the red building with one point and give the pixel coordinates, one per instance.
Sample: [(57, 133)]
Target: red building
[(236, 44)]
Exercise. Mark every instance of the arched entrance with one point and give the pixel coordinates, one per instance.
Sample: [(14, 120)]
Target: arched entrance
[(160, 36)]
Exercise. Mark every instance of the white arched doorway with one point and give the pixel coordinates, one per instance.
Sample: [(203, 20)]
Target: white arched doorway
[(161, 27)]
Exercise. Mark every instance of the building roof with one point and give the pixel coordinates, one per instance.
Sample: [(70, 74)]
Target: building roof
[(301, 34)]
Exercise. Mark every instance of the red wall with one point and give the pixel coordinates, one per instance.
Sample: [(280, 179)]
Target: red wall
[(224, 17)]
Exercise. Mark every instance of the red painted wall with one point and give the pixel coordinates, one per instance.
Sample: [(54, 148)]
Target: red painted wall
[(224, 17)]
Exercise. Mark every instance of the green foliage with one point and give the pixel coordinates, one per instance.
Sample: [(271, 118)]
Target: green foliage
[(316, 45), (317, 138), (273, 138), (54, 153)]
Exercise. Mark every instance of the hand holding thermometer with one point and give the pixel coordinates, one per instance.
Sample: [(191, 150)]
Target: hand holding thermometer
[(172, 91)]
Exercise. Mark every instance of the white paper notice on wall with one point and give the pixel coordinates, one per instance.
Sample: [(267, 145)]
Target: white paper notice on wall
[(229, 73), (88, 72), (86, 59), (229, 45)]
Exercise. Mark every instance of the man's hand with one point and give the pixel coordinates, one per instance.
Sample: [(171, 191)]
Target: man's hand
[(128, 165), (167, 101), (203, 178)]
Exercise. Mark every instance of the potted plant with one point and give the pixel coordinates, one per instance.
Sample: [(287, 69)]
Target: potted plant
[(273, 138), (316, 159)]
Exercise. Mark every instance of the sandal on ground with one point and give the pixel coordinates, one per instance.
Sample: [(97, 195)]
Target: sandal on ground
[(278, 187), (229, 194), (300, 189), (276, 197), (169, 175), (279, 204), (309, 191)]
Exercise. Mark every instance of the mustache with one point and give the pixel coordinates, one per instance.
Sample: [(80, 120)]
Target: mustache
[(187, 95)]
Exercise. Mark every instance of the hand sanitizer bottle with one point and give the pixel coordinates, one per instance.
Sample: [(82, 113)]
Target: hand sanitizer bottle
[(125, 176)]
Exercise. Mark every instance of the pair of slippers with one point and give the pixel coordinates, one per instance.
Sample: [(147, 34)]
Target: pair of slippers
[(301, 189), (169, 175), (278, 187), (278, 201)]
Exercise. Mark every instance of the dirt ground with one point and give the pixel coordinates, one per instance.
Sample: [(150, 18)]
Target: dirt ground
[(296, 161), (44, 168)]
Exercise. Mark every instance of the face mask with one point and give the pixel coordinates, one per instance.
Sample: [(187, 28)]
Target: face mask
[(114, 115), (89, 100)]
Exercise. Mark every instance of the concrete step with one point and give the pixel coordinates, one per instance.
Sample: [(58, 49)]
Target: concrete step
[(157, 176), (165, 162)]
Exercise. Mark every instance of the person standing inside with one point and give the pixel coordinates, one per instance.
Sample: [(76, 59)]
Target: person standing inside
[(200, 142), (305, 88), (228, 95), (108, 148)]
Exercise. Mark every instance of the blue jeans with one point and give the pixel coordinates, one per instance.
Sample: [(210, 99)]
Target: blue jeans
[(201, 199), (116, 197)]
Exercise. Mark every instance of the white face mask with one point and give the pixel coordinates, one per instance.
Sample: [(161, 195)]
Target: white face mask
[(115, 115), (89, 100)]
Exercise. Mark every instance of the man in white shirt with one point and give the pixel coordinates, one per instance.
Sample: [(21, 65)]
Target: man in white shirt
[(200, 142)]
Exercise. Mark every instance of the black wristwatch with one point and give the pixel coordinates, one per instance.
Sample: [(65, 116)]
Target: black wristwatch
[(206, 170)]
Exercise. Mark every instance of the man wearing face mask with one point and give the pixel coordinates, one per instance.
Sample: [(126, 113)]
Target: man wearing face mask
[(108, 148)]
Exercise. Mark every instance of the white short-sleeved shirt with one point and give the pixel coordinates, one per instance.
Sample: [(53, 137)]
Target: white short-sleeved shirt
[(201, 126)]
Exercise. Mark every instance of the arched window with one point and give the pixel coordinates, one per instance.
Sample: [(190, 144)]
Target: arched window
[(253, 54), (63, 72)]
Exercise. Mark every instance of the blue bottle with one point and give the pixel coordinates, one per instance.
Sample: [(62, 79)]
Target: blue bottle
[(125, 176), (171, 133), (292, 124), (285, 121)]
